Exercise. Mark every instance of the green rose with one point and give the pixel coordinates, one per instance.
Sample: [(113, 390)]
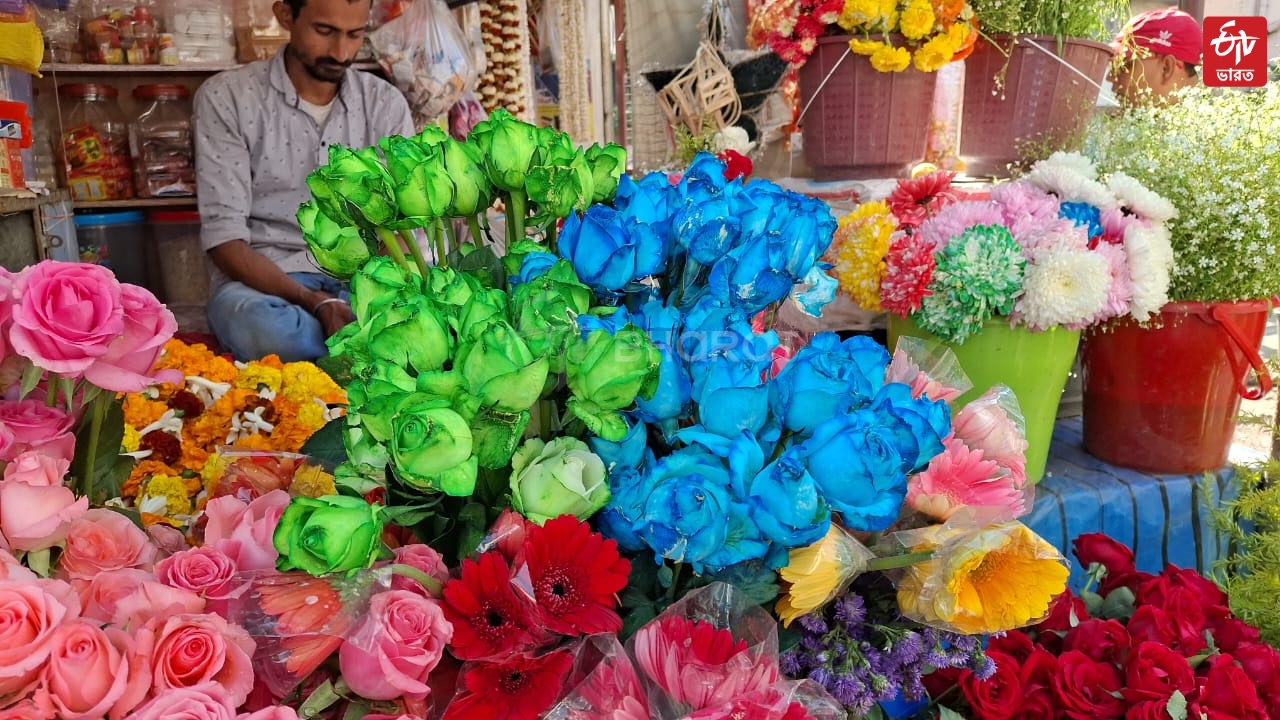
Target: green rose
[(330, 534), (562, 183), (484, 308), (431, 136), (562, 477), (607, 162), (545, 311), (606, 373), (472, 190), (355, 188), (379, 283), (403, 155), (363, 451), (450, 288), (411, 333), (426, 192), (352, 341), (501, 370), (507, 146), (378, 379), (431, 449), (341, 250), (496, 434)]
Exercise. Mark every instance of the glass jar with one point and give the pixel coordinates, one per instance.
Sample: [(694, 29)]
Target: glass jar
[(160, 142), (95, 144), (43, 157)]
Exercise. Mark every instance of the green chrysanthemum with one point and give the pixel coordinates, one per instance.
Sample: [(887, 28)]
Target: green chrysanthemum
[(979, 275)]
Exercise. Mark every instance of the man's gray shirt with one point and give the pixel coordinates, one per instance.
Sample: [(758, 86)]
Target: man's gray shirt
[(255, 145)]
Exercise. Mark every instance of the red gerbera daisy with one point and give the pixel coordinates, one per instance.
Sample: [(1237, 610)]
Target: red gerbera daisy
[(576, 575), (916, 200), (488, 617), (520, 688), (909, 267)]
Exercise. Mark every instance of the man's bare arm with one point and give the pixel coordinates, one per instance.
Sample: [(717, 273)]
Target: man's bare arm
[(244, 264)]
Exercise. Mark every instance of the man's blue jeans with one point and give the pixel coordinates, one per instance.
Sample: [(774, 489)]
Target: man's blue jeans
[(251, 325)]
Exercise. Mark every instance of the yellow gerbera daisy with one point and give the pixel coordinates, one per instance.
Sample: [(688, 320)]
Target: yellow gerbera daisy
[(987, 581), (816, 574), (891, 59)]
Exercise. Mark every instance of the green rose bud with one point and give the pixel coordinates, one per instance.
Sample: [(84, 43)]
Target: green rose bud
[(501, 370), (472, 190), (495, 436), (482, 309), (325, 535), (507, 146), (340, 250), (545, 311), (562, 477), (403, 155), (450, 288), (379, 283), (363, 451), (607, 162), (411, 333), (352, 341), (354, 188), (431, 136), (426, 193), (563, 183), (606, 373), (431, 449)]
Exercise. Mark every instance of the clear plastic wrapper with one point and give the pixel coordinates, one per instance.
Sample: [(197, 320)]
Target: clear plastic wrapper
[(981, 579), (427, 57), (706, 650), (993, 423), (785, 700), (603, 684), (818, 574), (249, 474), (929, 368)]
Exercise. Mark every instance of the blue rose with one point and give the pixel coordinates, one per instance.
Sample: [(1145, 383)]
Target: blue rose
[(826, 378), (647, 201), (786, 505), (611, 320), (800, 228), (706, 229), (743, 540), (629, 452), (671, 399), (629, 489), (1084, 215), (709, 315), (816, 290), (856, 464), (609, 251), (704, 179), (747, 278), (917, 426), (685, 516), (534, 265), (728, 387)]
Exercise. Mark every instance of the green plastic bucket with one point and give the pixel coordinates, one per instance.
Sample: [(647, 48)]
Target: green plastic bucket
[(1034, 365)]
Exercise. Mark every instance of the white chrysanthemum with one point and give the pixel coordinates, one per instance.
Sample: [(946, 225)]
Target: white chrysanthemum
[(1070, 186), (1063, 287), (1140, 200), (1072, 161), (732, 138), (1150, 267)]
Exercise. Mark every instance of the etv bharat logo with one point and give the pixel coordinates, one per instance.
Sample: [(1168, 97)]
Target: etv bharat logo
[(1235, 51)]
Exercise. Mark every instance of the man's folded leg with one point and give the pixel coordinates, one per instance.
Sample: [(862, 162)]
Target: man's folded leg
[(251, 325)]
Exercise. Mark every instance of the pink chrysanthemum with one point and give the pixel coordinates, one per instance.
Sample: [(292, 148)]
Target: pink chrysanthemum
[(1025, 208), (1055, 234), (959, 478), (955, 218), (1115, 223), (916, 200), (909, 267), (1120, 293)]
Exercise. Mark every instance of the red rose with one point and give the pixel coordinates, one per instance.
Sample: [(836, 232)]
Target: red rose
[(1153, 672), (1036, 675), (939, 682), (1133, 580), (1230, 633), (1097, 548), (1183, 607), (1261, 663), (999, 696), (1015, 644), (1206, 590), (1151, 624), (1086, 689), (1066, 612), (1228, 690), (1148, 710), (1101, 640)]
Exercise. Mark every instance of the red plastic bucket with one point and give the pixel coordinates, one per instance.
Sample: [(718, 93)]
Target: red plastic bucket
[(1165, 398)]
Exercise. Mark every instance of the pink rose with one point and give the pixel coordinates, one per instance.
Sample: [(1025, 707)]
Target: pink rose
[(126, 366), (100, 596), (397, 644), (30, 615), (104, 540), (36, 427), (66, 315), (167, 539), (244, 531), (36, 468), (85, 675), (34, 517), (11, 568), (27, 710), (154, 600), (419, 557), (187, 651), (278, 712), (206, 702), (205, 571)]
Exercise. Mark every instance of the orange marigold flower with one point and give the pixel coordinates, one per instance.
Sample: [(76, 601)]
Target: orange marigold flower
[(140, 411)]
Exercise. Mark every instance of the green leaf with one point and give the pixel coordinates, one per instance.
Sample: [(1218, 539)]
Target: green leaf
[(1092, 602), (473, 525), (1119, 604), (875, 713), (321, 699), (946, 713), (637, 618), (666, 576), (67, 388), (108, 463), (406, 515), (38, 562), (1177, 706), (356, 711), (482, 264), (326, 444), (756, 582), (338, 368), (30, 379)]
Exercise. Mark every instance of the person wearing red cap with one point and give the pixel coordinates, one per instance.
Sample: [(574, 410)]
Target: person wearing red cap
[(1157, 54)]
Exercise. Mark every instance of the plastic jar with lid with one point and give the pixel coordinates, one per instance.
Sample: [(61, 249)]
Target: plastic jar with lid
[(95, 144), (116, 240), (161, 144)]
